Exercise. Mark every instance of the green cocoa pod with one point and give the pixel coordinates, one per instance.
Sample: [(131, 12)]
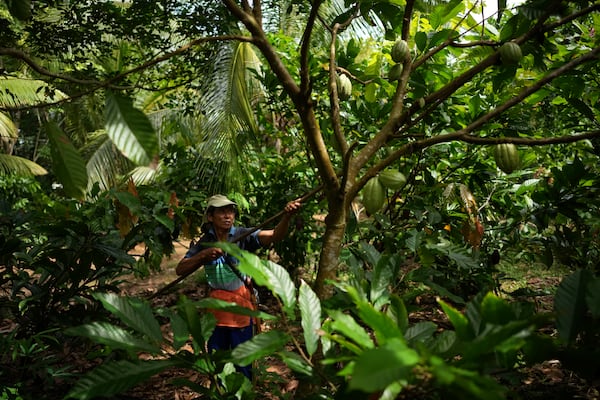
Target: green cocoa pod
[(400, 51), (392, 179), (506, 156), (373, 195), (344, 87), (510, 53), (395, 72)]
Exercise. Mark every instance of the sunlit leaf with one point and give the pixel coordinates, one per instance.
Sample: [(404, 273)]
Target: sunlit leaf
[(130, 130), (67, 163)]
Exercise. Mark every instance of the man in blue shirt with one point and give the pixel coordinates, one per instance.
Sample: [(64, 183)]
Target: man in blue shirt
[(225, 281)]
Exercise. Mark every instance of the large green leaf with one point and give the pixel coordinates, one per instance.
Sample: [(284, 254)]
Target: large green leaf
[(295, 362), (420, 332), (14, 165), (310, 310), (113, 336), (375, 369), (281, 284), (259, 346), (593, 297), (20, 9), (8, 129), (384, 273), (397, 312), (216, 304), (384, 327), (135, 313), (179, 326), (495, 310), (348, 326), (570, 305), (188, 312), (266, 273), (68, 164), (459, 321), (18, 92), (116, 377), (130, 130)]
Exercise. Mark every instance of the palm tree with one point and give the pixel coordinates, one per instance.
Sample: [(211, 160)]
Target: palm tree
[(16, 93)]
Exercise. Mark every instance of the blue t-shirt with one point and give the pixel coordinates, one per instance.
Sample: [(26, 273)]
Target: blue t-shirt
[(218, 272)]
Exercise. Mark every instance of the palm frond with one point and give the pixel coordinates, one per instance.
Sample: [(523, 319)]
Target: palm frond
[(14, 165), (228, 122), (8, 134), (19, 92), (142, 175), (105, 165)]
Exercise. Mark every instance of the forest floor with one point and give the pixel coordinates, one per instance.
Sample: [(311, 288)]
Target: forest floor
[(547, 380)]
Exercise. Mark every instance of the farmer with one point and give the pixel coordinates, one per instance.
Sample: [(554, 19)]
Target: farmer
[(225, 280)]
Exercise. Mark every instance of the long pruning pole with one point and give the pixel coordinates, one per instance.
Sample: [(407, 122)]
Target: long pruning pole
[(239, 238)]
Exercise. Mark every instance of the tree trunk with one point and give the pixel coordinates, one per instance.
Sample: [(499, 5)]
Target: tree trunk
[(335, 227)]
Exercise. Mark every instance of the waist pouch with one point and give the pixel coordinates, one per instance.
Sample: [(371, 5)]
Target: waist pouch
[(242, 297)]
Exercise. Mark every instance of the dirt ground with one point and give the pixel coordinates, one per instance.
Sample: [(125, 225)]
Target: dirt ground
[(546, 381)]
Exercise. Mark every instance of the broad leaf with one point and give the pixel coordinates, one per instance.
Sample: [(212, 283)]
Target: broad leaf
[(130, 130), (569, 304), (310, 311), (346, 325), (375, 369), (188, 312), (593, 297), (181, 333), (68, 164), (15, 165), (397, 312), (266, 273), (459, 321), (259, 346), (20, 9), (281, 285), (17, 92), (494, 310), (113, 336), (295, 362), (383, 274), (134, 313), (116, 377), (217, 304), (420, 332), (382, 325)]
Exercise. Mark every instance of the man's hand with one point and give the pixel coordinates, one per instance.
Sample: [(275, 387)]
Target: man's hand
[(292, 207), (211, 254)]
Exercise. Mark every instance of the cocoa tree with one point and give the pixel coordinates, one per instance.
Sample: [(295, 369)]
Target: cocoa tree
[(453, 85)]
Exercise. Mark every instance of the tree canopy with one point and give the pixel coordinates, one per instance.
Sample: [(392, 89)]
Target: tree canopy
[(122, 69)]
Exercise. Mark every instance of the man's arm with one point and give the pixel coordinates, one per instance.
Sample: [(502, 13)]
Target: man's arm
[(268, 236), (188, 265)]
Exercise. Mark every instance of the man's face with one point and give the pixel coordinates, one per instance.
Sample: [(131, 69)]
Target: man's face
[(222, 217)]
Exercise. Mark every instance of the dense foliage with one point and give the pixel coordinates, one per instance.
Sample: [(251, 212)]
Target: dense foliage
[(118, 120)]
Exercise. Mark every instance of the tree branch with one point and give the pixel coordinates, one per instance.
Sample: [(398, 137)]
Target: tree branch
[(529, 141), (110, 83), (333, 89), (305, 86), (465, 136)]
